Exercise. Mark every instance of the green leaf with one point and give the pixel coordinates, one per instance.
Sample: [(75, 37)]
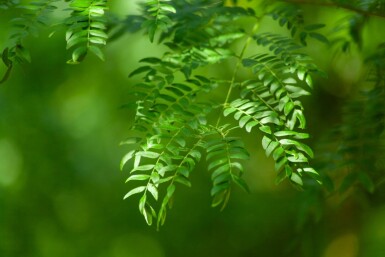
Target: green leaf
[(224, 177), (243, 155), (135, 191), (288, 171), (151, 31), (280, 163), (301, 73), (5, 57), (298, 145), (153, 190), (265, 129), (183, 171), (216, 163), (289, 106), (155, 177), (148, 154), (131, 141), (278, 152), (79, 53), (271, 148), (148, 215), (228, 111), (298, 157), (144, 167), (8, 63), (97, 40), (140, 70), (182, 180), (270, 119), (265, 142), (313, 173), (170, 190), (241, 183), (294, 134), (296, 179), (280, 177), (142, 203), (98, 25), (126, 158), (303, 36), (243, 121), (168, 8), (98, 33), (167, 168), (319, 37), (96, 11), (220, 170), (96, 51), (250, 125), (219, 188), (138, 177), (75, 41), (314, 26)]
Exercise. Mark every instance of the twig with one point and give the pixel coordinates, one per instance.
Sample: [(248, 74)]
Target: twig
[(335, 5)]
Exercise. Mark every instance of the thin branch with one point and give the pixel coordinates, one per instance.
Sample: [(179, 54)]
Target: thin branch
[(335, 5), (238, 65)]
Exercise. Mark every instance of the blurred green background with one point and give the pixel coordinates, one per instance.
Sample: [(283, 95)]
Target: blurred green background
[(61, 189)]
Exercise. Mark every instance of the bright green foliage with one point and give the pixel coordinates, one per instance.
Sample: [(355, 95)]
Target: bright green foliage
[(222, 154), (168, 119), (173, 130), (158, 12), (171, 122), (291, 17), (86, 28), (275, 107)]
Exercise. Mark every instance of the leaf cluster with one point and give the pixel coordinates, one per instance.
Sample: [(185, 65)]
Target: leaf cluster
[(86, 28), (171, 123), (291, 16)]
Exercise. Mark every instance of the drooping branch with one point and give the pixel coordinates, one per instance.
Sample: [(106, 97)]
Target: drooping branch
[(336, 5)]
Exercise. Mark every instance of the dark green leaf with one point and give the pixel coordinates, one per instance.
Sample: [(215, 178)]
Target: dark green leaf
[(96, 51), (314, 26), (319, 37), (241, 183), (182, 180)]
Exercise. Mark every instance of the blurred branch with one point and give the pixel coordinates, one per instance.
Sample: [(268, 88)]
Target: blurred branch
[(335, 5)]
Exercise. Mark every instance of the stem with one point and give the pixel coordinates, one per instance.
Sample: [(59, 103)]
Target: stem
[(342, 6), (237, 66)]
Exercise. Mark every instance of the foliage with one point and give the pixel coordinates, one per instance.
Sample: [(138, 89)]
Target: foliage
[(27, 24), (173, 126), (86, 28), (358, 139)]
